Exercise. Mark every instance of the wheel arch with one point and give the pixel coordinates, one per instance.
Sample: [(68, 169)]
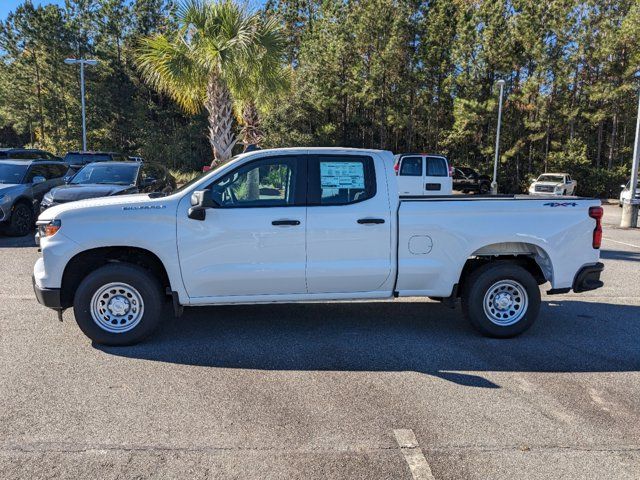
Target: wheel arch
[(529, 256), (25, 201), (83, 263)]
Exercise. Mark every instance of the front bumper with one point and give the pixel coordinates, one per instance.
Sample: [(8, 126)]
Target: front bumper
[(588, 278), (49, 297)]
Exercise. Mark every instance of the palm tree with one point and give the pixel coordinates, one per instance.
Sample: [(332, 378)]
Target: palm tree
[(218, 50)]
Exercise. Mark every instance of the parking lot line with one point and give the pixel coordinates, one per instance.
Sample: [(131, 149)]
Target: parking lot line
[(622, 243), (420, 469)]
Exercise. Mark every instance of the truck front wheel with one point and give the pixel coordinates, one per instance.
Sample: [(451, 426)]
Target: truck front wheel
[(501, 299), (118, 304)]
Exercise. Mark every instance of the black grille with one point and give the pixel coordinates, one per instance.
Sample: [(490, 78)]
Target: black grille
[(544, 188)]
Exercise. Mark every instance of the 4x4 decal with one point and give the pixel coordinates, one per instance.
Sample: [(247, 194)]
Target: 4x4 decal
[(560, 204)]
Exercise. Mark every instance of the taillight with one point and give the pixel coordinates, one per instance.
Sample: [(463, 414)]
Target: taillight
[(450, 171), (396, 167), (596, 213)]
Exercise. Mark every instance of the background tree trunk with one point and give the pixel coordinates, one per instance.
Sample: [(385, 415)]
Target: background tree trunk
[(251, 131), (220, 108)]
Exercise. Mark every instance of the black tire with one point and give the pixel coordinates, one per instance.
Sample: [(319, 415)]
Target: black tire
[(484, 188), (143, 283), (484, 279), (21, 222)]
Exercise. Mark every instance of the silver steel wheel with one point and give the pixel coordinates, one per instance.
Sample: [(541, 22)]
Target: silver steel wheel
[(117, 307), (505, 302)]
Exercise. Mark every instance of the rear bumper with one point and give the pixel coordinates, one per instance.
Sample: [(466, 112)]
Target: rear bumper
[(588, 278), (49, 297)]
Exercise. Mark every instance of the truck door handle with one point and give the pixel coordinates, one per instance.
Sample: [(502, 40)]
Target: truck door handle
[(365, 221), (279, 223)]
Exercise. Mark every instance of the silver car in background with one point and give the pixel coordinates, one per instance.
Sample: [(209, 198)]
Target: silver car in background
[(23, 183)]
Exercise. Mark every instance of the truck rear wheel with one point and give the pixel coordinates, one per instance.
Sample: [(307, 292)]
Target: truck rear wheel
[(501, 299), (118, 304)]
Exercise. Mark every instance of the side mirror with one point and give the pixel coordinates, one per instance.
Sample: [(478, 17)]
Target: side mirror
[(200, 201), (38, 179)]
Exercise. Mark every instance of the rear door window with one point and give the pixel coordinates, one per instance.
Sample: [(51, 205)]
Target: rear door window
[(437, 167), (411, 167), (340, 179)]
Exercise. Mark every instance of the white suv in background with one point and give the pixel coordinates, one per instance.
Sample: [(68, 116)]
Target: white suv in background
[(625, 194), (554, 184), (421, 174)]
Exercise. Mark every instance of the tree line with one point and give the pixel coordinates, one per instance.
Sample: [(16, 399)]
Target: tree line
[(404, 75)]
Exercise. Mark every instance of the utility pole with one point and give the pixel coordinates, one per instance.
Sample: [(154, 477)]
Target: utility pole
[(82, 62), (494, 183), (630, 208)]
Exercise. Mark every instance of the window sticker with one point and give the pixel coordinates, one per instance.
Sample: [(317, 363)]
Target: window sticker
[(341, 175)]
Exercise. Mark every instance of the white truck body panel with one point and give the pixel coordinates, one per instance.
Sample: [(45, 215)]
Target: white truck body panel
[(465, 227), (236, 255)]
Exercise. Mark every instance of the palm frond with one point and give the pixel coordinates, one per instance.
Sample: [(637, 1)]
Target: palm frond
[(169, 67)]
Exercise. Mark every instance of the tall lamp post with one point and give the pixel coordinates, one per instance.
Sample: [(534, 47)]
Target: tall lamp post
[(494, 183), (82, 62), (630, 208)]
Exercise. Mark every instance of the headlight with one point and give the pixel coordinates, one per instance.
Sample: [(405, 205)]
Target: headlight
[(48, 229), (559, 188), (48, 198), (2, 195)]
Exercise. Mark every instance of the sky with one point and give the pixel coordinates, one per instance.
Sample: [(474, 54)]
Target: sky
[(7, 6)]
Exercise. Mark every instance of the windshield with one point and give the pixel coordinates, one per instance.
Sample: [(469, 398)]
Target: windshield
[(551, 178), (107, 174), (12, 173)]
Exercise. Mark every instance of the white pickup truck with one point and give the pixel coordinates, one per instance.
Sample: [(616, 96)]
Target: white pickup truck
[(553, 184), (304, 225)]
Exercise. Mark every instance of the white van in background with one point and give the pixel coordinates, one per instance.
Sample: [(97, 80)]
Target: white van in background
[(421, 174)]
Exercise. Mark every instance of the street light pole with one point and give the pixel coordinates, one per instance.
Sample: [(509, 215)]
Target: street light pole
[(630, 208), (82, 62), (494, 183)]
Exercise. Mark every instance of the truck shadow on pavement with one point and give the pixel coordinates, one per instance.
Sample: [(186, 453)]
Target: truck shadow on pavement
[(569, 336), (18, 242), (620, 255)]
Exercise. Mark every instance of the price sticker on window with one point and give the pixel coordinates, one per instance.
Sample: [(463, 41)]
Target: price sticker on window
[(342, 175)]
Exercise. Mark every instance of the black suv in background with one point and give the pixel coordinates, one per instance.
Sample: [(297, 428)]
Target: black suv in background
[(26, 154), (77, 160), (467, 180)]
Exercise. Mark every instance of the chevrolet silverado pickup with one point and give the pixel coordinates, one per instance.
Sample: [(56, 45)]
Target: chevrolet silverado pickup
[(305, 225)]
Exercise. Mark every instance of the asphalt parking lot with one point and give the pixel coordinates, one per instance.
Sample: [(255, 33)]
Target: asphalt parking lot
[(327, 390)]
